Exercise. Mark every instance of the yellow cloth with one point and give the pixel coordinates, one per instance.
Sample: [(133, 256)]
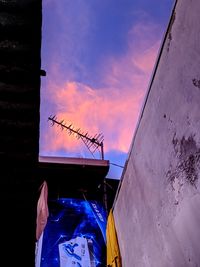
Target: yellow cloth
[(113, 252)]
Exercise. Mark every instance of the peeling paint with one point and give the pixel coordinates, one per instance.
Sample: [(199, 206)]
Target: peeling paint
[(196, 83), (170, 30), (188, 120), (188, 166)]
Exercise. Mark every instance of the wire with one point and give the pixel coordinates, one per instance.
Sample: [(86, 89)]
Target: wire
[(116, 165)]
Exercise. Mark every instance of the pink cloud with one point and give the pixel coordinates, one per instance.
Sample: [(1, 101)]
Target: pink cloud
[(114, 109), (96, 111)]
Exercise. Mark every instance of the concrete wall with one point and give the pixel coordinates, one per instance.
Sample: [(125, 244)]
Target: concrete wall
[(157, 210)]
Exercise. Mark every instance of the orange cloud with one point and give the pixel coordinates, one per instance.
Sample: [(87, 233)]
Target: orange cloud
[(114, 109)]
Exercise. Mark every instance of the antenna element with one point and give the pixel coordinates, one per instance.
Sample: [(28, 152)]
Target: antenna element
[(92, 142)]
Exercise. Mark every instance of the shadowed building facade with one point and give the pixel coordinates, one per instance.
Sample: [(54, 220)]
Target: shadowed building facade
[(20, 43)]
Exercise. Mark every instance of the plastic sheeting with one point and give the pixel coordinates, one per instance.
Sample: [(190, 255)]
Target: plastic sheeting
[(75, 234)]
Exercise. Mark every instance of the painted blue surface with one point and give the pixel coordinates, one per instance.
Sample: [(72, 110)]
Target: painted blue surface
[(74, 219)]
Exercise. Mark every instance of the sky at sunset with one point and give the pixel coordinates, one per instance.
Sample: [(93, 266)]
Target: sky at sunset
[(98, 56)]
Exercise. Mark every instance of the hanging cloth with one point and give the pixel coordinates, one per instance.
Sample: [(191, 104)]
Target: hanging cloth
[(113, 252), (42, 210)]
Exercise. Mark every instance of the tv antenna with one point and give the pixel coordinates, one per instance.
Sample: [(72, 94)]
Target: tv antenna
[(92, 142)]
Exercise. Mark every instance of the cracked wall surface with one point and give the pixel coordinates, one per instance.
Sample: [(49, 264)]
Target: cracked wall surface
[(157, 209)]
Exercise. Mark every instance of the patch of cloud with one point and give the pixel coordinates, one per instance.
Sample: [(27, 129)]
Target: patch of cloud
[(66, 33), (113, 109)]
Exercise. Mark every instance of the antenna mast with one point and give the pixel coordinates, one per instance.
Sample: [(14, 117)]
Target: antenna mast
[(92, 142)]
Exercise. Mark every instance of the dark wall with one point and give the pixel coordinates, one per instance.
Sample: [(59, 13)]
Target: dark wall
[(20, 43)]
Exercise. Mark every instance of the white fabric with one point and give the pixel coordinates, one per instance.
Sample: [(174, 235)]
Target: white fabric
[(42, 210)]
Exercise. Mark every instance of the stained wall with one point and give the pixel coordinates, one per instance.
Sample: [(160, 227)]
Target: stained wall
[(157, 208)]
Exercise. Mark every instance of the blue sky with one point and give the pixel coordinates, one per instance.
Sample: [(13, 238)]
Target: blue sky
[(98, 56)]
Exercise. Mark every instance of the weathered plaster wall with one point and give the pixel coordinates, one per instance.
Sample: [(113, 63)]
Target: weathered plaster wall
[(157, 210)]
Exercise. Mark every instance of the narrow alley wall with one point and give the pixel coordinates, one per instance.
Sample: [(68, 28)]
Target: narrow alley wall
[(157, 209)]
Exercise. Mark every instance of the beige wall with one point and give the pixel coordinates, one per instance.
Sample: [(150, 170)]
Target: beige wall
[(157, 210)]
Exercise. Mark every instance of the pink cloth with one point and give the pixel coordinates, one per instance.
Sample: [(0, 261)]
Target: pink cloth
[(42, 210)]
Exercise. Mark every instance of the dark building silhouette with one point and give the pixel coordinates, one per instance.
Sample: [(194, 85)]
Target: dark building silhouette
[(81, 178), (20, 43)]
